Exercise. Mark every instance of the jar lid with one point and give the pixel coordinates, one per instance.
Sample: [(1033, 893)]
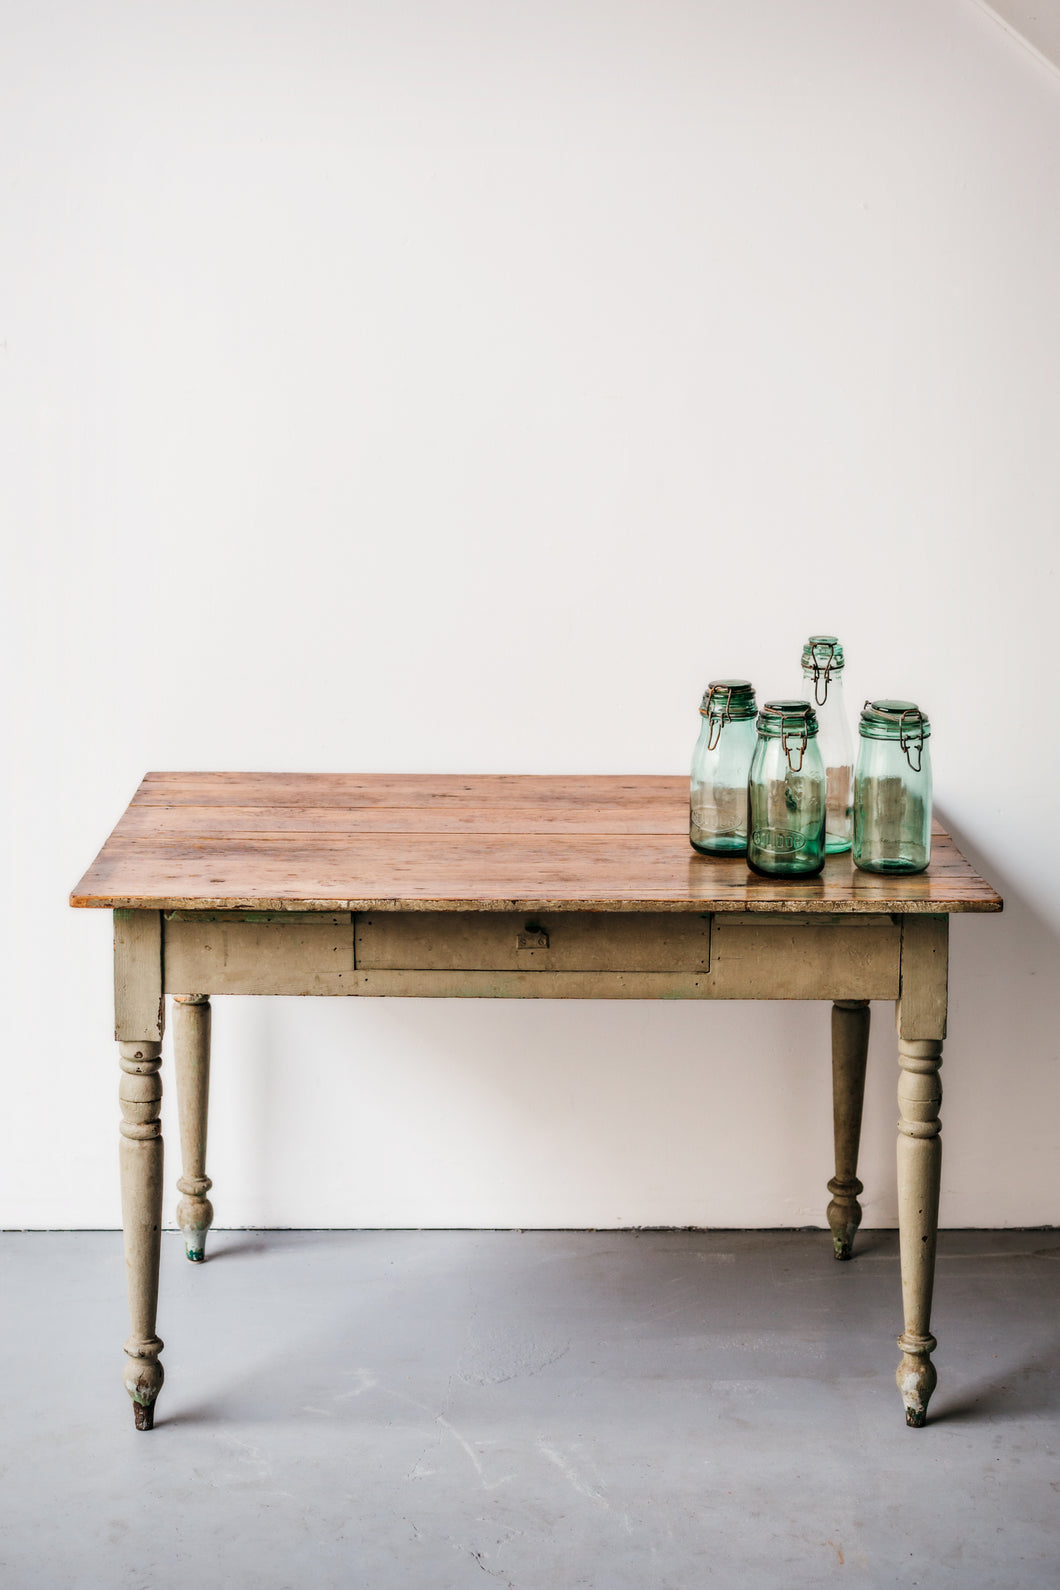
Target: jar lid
[(894, 720), (824, 652), (728, 698), (897, 720), (787, 717)]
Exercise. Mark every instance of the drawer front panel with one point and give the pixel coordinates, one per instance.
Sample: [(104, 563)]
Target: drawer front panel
[(563, 941)]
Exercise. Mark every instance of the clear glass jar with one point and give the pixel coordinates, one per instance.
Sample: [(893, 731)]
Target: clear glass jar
[(786, 793), (822, 674), (720, 765), (892, 789)]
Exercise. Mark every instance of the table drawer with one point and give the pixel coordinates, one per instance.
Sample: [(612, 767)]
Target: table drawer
[(560, 941)]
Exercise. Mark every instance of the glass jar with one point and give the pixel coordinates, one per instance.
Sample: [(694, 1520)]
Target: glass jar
[(892, 789), (822, 674), (720, 765), (786, 793)]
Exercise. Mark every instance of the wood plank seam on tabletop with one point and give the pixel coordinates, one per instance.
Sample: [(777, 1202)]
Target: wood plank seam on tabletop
[(406, 789)]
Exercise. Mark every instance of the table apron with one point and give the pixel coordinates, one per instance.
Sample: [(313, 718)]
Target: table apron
[(559, 955)]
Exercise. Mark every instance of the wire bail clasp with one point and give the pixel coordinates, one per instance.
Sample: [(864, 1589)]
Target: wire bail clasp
[(794, 740), (910, 723), (717, 721), (820, 673), (912, 740)]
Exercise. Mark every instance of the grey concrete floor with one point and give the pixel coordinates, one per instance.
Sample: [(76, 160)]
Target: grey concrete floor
[(543, 1410)]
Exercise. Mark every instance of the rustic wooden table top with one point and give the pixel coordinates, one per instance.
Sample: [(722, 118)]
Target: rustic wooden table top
[(404, 842)]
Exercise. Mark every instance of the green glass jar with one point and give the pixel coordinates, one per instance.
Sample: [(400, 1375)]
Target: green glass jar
[(786, 793), (892, 789), (720, 765), (822, 674)]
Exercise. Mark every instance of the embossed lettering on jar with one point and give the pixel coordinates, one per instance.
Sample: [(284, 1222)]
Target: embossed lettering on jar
[(786, 793)]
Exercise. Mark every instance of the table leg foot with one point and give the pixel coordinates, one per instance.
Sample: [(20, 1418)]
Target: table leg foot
[(916, 1377), (192, 1209), (191, 1045), (843, 1238), (850, 1047), (143, 1379)]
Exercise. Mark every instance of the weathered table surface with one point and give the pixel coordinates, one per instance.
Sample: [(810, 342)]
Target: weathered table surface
[(498, 886), (376, 842)]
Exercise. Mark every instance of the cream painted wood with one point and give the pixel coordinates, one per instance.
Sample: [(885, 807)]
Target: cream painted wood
[(140, 1153), (925, 972), (191, 1047), (532, 985), (920, 1017), (479, 955), (268, 957), (850, 1047), (554, 941), (264, 918), (805, 958), (919, 1176), (139, 1009)]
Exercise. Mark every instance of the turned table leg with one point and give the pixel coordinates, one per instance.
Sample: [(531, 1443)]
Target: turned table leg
[(140, 1095), (139, 1018), (191, 1040), (850, 1047), (919, 1173), (921, 1021)]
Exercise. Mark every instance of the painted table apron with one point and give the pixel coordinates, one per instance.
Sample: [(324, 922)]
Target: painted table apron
[(500, 887)]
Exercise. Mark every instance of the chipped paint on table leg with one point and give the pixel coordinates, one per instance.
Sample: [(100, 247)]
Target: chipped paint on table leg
[(917, 1376), (850, 1047), (191, 1030)]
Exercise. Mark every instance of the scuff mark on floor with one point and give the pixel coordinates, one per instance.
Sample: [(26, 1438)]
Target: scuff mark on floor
[(461, 1440), (570, 1473), (365, 1381)]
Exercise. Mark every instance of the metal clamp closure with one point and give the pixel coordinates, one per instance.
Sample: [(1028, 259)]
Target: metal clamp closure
[(717, 719), (820, 673), (910, 731), (794, 740)]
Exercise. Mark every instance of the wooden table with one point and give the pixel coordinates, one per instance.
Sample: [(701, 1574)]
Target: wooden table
[(500, 887)]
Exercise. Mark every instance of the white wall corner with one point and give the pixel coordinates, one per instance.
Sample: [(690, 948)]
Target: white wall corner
[(1035, 23)]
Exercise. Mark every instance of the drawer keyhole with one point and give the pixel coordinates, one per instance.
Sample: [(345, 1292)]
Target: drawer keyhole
[(533, 937)]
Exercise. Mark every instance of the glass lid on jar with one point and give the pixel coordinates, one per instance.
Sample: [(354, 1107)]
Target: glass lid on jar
[(893, 720), (794, 723), (729, 698), (787, 717), (897, 720), (823, 651)]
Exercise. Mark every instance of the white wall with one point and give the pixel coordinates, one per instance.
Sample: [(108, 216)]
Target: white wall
[(457, 385)]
